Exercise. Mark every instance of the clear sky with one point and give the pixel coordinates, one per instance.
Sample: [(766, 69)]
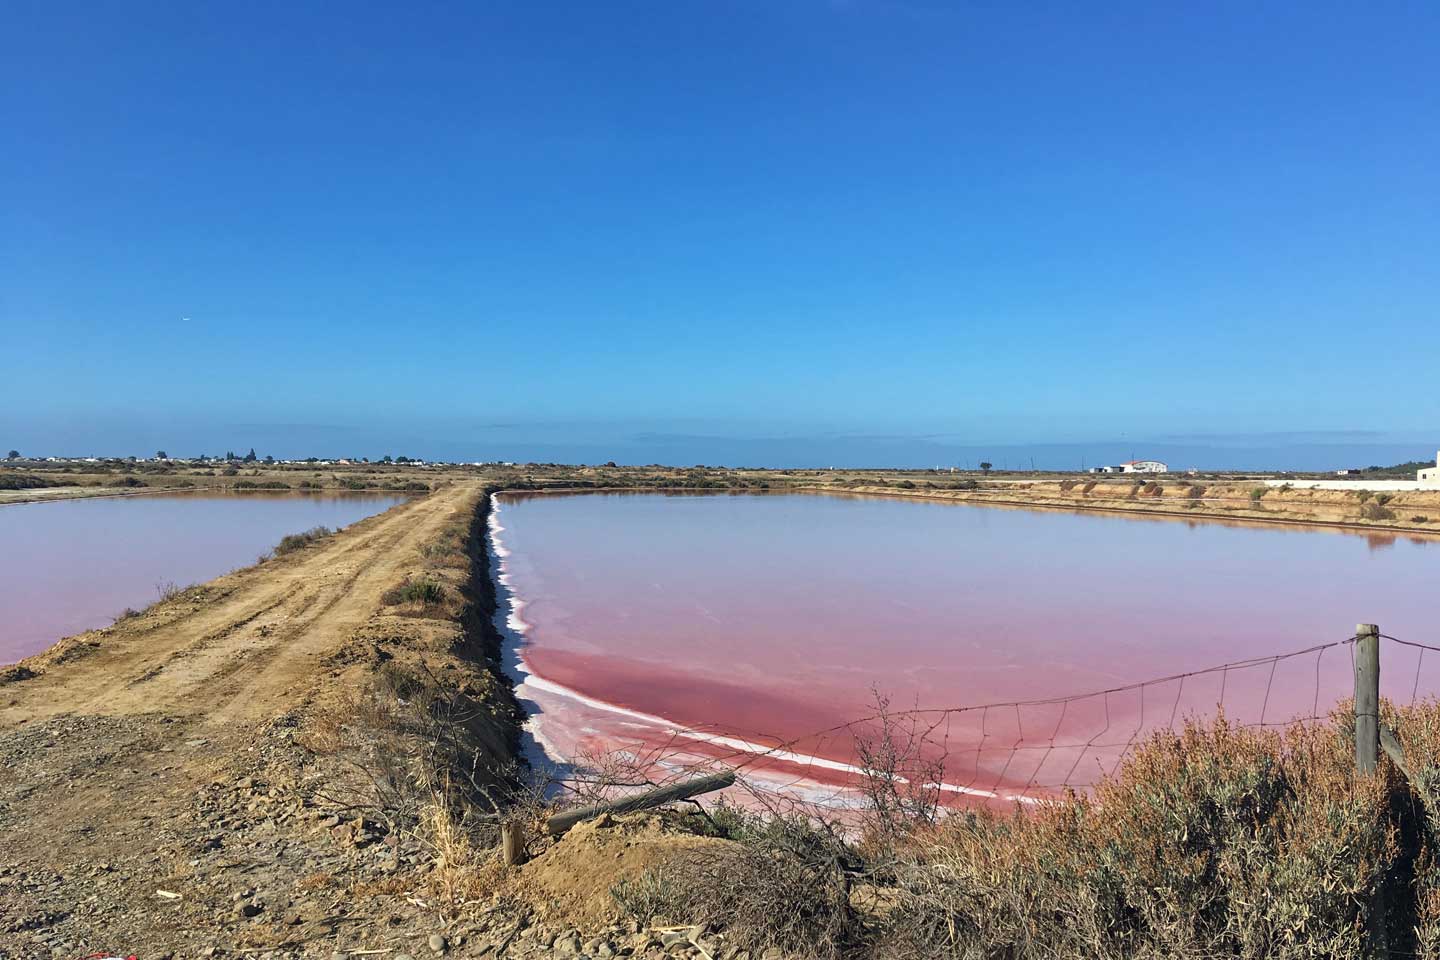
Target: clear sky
[(781, 231)]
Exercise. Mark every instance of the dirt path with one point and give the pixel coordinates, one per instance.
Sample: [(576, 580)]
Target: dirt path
[(238, 656), (150, 802)]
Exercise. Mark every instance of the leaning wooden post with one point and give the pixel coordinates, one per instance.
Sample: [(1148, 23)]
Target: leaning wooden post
[(1367, 697)]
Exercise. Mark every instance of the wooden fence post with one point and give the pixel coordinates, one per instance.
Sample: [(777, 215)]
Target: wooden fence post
[(1367, 697), (1367, 754), (512, 843)]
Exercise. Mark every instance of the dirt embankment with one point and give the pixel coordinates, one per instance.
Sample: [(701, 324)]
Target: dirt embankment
[(1397, 514), (185, 780)]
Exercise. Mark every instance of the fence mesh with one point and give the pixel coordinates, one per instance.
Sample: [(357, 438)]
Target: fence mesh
[(1021, 751)]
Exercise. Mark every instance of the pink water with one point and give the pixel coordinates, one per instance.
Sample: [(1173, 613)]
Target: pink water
[(685, 627), (72, 565)]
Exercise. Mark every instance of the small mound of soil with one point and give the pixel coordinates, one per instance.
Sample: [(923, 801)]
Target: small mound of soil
[(571, 881)]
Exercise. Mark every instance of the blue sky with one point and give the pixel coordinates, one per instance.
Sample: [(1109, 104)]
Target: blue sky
[(781, 231)]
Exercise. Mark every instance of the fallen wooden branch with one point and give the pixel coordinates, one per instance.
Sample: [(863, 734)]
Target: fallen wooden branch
[(561, 822)]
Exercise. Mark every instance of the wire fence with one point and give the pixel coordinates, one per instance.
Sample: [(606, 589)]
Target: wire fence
[(1021, 751)]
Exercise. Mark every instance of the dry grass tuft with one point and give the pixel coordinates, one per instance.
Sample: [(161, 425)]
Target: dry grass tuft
[(421, 593)]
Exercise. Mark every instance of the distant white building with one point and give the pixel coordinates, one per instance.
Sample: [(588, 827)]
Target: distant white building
[(1144, 466), (1430, 478)]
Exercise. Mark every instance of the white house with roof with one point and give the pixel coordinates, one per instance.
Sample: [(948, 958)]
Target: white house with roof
[(1134, 466), (1429, 478)]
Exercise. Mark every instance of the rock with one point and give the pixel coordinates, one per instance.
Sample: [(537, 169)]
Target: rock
[(671, 937), (568, 946), (438, 943)]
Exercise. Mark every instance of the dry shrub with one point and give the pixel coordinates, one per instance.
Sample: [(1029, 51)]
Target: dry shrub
[(648, 897), (769, 898), (1195, 491), (465, 870), (902, 766), (296, 541), (1375, 510), (782, 884), (408, 739), (1067, 485), (1216, 841), (1089, 485)]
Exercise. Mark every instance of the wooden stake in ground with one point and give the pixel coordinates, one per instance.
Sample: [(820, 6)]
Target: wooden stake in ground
[(512, 843)]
